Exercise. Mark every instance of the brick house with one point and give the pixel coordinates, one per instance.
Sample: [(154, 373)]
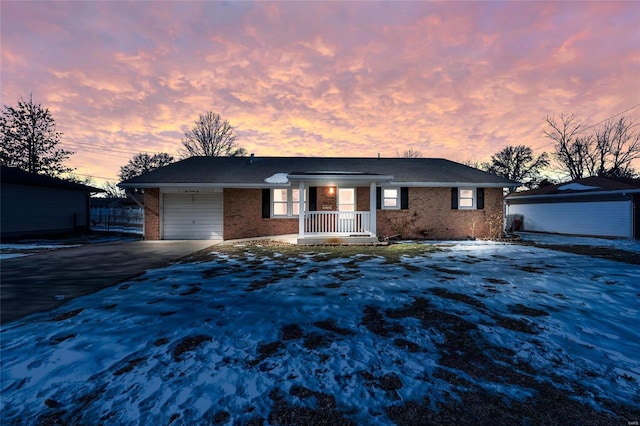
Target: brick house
[(341, 199)]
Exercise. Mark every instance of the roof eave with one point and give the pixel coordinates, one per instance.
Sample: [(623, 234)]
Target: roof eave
[(514, 196)]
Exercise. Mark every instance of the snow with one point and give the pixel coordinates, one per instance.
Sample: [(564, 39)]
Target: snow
[(278, 178), (196, 339), (5, 256), (565, 240)]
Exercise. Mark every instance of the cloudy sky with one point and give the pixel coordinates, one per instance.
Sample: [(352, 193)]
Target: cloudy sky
[(459, 80)]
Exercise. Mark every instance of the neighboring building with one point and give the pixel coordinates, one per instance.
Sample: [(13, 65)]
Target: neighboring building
[(593, 206), (342, 199), (34, 204)]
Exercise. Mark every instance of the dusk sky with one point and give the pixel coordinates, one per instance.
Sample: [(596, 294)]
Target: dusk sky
[(458, 80)]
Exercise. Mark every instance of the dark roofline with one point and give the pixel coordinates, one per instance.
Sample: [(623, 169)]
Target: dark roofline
[(252, 171), (17, 176), (602, 186)]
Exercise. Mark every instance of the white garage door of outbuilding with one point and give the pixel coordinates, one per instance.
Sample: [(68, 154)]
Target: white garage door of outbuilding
[(601, 219), (192, 217)]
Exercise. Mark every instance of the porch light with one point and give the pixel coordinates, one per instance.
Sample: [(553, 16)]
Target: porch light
[(332, 190)]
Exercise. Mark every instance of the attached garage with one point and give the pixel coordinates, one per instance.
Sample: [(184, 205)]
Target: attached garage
[(192, 216)]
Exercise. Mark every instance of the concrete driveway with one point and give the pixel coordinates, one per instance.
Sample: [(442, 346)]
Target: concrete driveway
[(44, 280)]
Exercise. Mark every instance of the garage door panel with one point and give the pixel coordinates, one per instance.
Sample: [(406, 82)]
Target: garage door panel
[(192, 216)]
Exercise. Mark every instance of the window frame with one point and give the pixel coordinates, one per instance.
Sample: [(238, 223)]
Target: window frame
[(397, 198), (289, 203), (473, 198)]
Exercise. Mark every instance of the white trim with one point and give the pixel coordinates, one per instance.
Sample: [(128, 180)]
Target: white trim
[(474, 198), (398, 198), (327, 180), (623, 192), (290, 202), (355, 198), (372, 208)]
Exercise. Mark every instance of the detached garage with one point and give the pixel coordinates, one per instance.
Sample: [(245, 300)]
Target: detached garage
[(192, 216), (35, 204), (593, 206)]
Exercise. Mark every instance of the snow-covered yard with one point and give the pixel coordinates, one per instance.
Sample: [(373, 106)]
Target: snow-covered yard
[(407, 334)]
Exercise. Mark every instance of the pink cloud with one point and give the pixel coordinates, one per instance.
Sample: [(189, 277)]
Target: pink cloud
[(457, 80)]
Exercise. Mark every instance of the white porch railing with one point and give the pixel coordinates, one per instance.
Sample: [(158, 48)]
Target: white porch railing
[(337, 223)]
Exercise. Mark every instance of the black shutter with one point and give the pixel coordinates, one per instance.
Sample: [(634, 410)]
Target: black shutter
[(313, 198), (404, 198), (454, 198), (378, 198), (266, 203), (480, 198)]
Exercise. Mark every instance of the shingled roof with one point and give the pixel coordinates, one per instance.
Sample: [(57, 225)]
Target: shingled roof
[(252, 171), (20, 177), (588, 185)]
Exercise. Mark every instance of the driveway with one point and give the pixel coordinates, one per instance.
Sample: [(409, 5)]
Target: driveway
[(44, 280)]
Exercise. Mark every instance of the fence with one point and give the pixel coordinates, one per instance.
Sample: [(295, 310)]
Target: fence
[(109, 219)]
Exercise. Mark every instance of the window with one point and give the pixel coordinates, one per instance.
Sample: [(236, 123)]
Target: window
[(285, 202), (280, 202), (390, 198), (466, 198)]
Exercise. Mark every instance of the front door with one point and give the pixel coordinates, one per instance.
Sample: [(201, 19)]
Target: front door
[(346, 210)]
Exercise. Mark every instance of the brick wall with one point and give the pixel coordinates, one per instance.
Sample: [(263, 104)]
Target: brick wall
[(430, 216), (243, 216), (325, 200), (152, 214)]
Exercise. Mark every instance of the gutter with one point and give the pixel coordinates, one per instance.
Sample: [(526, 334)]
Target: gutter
[(324, 178), (623, 192)]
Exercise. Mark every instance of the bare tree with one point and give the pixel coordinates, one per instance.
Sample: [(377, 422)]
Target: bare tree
[(210, 136), (29, 139), (569, 145), (111, 190), (143, 163), (518, 163), (412, 153), (617, 146), (610, 151)]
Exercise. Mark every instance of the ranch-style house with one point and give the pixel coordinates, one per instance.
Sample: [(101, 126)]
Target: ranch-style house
[(320, 199)]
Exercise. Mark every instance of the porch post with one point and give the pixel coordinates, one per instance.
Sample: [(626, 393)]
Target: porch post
[(372, 207), (301, 211)]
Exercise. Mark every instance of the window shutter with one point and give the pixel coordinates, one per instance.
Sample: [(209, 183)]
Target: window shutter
[(266, 203), (313, 198), (454, 198), (404, 198), (480, 198), (378, 198)]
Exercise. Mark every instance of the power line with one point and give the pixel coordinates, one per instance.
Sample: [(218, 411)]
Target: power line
[(594, 125), (91, 176)]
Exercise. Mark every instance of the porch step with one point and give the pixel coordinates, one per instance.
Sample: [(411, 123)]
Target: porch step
[(341, 241)]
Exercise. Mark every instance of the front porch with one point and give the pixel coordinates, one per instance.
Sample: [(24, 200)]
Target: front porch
[(335, 215), (335, 227)]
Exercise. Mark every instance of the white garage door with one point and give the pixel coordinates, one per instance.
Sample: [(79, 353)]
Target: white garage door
[(602, 219), (192, 217)]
